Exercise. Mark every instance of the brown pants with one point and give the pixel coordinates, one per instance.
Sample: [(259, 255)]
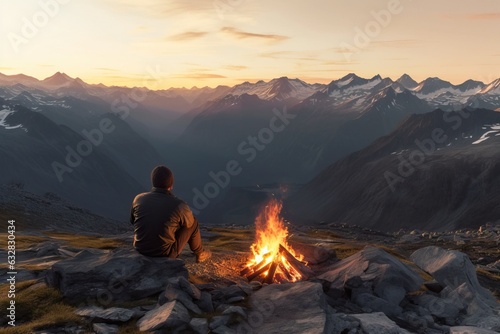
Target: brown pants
[(183, 236)]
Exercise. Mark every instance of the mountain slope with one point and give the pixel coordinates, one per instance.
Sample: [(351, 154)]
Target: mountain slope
[(452, 182)]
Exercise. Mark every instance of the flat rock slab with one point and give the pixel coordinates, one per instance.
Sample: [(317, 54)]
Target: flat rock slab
[(119, 275), (287, 308), (378, 323), (169, 315), (391, 278), (451, 269), (470, 330), (112, 314)]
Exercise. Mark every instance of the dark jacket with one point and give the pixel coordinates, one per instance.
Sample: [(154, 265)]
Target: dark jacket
[(156, 216)]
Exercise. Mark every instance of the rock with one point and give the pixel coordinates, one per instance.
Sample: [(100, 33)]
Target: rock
[(451, 269), (123, 274), (105, 328), (237, 310), (189, 288), (199, 325), (171, 294), (470, 330), (439, 307), (229, 294), (287, 308), (314, 254), (218, 321), (391, 278), (377, 304), (342, 323), (112, 314), (205, 302), (378, 323), (223, 330), (434, 286), (171, 314)]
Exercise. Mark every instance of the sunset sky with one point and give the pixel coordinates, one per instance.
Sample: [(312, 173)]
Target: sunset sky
[(210, 42)]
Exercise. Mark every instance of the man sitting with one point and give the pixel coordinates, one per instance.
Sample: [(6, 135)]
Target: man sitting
[(163, 223)]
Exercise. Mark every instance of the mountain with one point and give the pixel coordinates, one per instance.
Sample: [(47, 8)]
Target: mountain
[(492, 88), (407, 82), (288, 91), (436, 171), (46, 157)]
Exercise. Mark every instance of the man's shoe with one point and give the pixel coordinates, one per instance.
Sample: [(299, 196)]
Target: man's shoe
[(203, 255)]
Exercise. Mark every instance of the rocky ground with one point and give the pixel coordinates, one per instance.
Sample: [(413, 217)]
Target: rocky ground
[(77, 273), (366, 282)]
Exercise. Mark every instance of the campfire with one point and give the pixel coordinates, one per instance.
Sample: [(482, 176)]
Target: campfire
[(273, 260)]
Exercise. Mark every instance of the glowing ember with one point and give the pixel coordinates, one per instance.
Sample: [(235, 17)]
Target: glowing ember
[(272, 257)]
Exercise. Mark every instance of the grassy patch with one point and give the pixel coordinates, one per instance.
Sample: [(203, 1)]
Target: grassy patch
[(38, 307), (22, 241), (85, 241)]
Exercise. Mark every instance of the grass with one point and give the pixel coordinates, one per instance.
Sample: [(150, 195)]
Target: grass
[(37, 307), (86, 241), (22, 241)]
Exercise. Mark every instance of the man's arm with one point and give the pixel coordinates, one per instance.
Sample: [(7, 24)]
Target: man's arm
[(186, 216)]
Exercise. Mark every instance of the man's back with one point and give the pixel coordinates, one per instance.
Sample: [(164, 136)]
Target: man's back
[(156, 216)]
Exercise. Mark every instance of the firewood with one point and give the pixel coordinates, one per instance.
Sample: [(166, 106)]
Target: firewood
[(285, 272), (270, 275), (301, 268), (258, 272)]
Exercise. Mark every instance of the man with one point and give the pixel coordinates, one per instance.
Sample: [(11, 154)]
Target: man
[(163, 224)]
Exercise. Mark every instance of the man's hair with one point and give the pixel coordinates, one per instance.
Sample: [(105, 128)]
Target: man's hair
[(162, 177)]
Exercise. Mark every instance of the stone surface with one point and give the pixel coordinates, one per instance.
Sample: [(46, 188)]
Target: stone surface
[(438, 307), (171, 314), (288, 308), (122, 274), (112, 314), (374, 303), (378, 323), (391, 278), (470, 330), (199, 325), (171, 294), (451, 269), (100, 328)]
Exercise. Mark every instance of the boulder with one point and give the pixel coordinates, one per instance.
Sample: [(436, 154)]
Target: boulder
[(378, 323), (391, 278), (112, 314), (171, 314), (438, 307), (171, 294), (104, 276), (470, 330), (314, 254), (199, 325), (287, 308), (105, 328), (374, 303), (451, 269)]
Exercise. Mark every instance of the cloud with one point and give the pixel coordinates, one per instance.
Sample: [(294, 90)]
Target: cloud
[(395, 43), (201, 76), (235, 67), (484, 16), (188, 35), (244, 34), (107, 69), (292, 55)]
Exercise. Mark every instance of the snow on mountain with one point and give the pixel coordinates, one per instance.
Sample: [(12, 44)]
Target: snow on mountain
[(407, 82), (280, 89), (492, 88)]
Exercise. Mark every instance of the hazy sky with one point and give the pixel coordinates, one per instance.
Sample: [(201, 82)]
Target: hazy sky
[(211, 42)]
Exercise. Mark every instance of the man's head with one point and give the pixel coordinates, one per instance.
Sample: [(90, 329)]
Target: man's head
[(162, 177)]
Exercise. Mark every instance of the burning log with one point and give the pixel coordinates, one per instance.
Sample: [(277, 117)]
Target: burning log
[(270, 275), (258, 272), (301, 268)]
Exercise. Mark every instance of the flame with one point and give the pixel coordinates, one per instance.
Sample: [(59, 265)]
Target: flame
[(270, 233)]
